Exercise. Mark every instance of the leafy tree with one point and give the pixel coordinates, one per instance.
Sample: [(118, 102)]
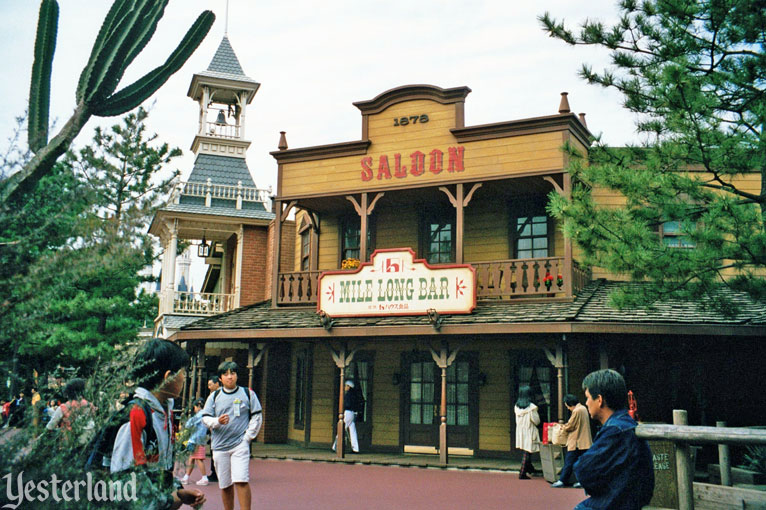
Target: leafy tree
[(80, 299), (693, 72)]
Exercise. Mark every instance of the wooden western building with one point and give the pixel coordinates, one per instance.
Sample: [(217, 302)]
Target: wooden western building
[(422, 191)]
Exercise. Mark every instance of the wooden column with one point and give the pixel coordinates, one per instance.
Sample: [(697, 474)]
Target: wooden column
[(254, 355), (342, 358), (193, 382), (459, 227), (238, 266), (443, 359), (683, 466), (363, 230), (276, 254), (557, 360), (364, 209), (459, 201), (724, 461), (200, 368)]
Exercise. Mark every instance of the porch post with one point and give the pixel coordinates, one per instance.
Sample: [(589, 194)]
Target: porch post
[(363, 229), (238, 269), (557, 360), (200, 367), (276, 253), (339, 440), (443, 454), (193, 378), (459, 224), (171, 267)]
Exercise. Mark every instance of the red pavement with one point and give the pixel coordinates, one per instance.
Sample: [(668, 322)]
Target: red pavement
[(286, 485)]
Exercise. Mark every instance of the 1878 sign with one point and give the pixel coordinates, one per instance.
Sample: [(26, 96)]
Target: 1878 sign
[(394, 283)]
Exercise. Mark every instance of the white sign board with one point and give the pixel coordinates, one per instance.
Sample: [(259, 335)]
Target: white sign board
[(394, 283)]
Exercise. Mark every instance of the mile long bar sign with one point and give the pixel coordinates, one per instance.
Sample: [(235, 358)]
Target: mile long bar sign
[(395, 283)]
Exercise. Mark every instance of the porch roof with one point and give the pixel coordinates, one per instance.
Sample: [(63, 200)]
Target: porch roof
[(589, 312)]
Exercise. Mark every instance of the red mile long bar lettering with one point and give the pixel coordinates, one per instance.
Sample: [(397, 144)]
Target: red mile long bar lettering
[(417, 166)]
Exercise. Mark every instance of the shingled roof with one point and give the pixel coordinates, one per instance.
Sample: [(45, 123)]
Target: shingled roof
[(590, 306), (223, 170), (225, 64)]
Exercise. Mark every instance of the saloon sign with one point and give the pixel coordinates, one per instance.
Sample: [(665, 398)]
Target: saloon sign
[(394, 283)]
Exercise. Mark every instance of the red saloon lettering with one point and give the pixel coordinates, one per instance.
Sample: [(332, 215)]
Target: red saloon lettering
[(417, 167)]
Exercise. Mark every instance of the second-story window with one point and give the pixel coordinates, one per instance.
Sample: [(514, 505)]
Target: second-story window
[(438, 237), (530, 230), (350, 237), (673, 236), (306, 249)]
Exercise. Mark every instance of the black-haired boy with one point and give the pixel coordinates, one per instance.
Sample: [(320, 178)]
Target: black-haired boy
[(161, 366), (233, 414)]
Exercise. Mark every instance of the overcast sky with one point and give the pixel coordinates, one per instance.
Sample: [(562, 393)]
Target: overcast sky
[(314, 58)]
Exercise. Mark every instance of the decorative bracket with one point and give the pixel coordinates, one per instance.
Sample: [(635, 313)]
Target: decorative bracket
[(556, 186)]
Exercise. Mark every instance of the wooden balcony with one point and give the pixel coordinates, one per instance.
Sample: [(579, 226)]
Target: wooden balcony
[(201, 303), (499, 279)]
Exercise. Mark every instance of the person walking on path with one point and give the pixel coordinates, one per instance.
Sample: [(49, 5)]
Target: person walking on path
[(234, 416), (527, 435), (579, 438), (196, 444), (617, 470), (351, 404)]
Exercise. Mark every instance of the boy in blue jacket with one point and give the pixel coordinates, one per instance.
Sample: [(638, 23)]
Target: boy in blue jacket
[(617, 471)]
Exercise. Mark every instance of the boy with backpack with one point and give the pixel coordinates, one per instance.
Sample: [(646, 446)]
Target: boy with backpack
[(233, 414), (146, 441)]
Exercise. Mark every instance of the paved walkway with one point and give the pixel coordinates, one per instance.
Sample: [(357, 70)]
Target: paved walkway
[(290, 484)]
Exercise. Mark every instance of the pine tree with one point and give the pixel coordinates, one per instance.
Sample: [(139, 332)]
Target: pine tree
[(693, 72)]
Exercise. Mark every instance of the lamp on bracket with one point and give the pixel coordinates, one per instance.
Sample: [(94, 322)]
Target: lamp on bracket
[(326, 320), (203, 250), (434, 318)]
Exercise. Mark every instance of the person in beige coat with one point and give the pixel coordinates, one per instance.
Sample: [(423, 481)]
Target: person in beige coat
[(579, 438), (527, 435)]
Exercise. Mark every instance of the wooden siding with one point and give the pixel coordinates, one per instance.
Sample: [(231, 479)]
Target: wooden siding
[(329, 243), (486, 230), (483, 159), (385, 415), (396, 227), (322, 413), (494, 399), (385, 136)]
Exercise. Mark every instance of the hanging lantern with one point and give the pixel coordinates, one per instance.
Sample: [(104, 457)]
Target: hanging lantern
[(203, 250)]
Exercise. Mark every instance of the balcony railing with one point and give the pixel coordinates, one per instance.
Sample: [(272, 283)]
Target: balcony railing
[(499, 279), (202, 303), (210, 192), (298, 288), (222, 130)]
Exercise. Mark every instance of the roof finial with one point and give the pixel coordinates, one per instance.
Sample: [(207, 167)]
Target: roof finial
[(282, 141), (226, 25), (564, 105), (582, 119)]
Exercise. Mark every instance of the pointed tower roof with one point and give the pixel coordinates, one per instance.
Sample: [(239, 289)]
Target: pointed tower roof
[(225, 61), (224, 71)]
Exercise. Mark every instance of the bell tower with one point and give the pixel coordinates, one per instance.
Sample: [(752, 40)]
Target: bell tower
[(223, 92)]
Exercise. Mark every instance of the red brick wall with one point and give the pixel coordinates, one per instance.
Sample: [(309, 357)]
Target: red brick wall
[(255, 271)]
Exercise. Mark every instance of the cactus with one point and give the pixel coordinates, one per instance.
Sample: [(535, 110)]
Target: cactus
[(40, 87), (127, 28)]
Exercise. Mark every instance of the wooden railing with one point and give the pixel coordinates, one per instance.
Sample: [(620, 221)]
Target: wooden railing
[(202, 303), (506, 279), (298, 288), (704, 496), (499, 279), (230, 131)]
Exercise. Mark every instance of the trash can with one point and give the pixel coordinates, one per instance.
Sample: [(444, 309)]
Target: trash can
[(552, 458)]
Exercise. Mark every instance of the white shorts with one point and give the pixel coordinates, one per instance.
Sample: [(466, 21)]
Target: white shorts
[(233, 466)]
